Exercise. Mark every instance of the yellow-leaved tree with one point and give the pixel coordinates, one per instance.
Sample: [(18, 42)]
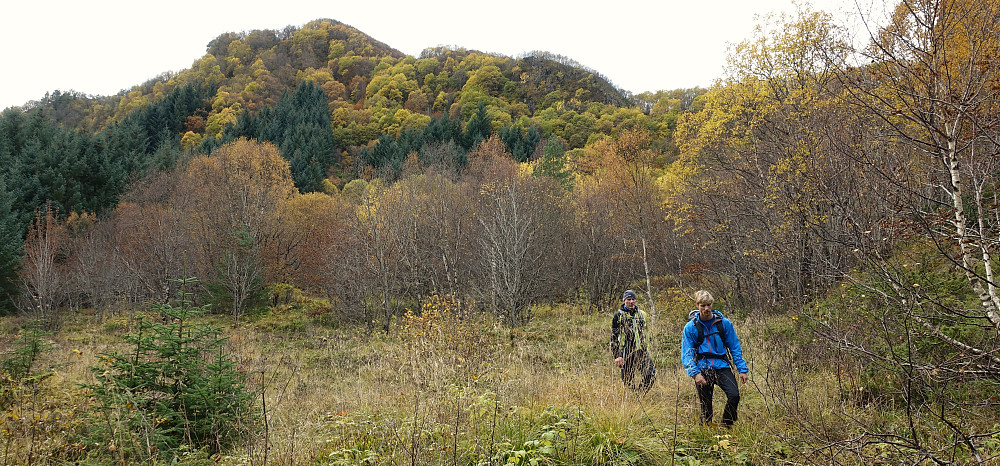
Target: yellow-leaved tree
[(926, 95), (230, 202), (622, 189), (754, 189)]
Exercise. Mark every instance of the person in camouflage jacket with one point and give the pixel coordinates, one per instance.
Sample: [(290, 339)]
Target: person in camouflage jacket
[(630, 344)]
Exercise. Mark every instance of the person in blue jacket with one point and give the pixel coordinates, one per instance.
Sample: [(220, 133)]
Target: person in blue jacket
[(707, 339)]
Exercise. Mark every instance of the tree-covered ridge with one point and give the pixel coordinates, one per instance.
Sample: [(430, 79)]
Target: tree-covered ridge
[(370, 92), (337, 103), (374, 89)]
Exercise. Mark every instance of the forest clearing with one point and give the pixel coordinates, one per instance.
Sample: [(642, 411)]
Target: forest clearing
[(441, 389)]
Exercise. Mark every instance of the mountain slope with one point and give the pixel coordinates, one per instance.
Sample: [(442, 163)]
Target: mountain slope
[(253, 69)]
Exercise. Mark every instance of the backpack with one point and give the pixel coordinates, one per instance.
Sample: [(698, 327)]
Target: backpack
[(717, 323)]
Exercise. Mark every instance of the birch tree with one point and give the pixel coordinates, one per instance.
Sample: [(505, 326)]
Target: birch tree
[(518, 215), (921, 309), (930, 82), (230, 201), (43, 267)]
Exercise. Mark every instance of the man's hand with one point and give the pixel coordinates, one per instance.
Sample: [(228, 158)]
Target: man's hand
[(744, 377), (700, 380), (619, 362)]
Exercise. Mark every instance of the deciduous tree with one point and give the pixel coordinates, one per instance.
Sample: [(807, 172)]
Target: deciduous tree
[(927, 95), (230, 200), (518, 216), (43, 268), (757, 170)]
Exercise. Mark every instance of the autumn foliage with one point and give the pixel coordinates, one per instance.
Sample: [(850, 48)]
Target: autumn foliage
[(843, 193)]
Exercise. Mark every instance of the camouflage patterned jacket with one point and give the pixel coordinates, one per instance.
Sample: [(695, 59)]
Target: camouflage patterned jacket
[(628, 332)]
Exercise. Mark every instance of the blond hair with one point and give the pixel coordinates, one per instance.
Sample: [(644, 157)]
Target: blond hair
[(703, 297)]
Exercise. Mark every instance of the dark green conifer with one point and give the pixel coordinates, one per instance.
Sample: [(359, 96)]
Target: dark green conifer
[(553, 163), (11, 243), (177, 385), (478, 128)]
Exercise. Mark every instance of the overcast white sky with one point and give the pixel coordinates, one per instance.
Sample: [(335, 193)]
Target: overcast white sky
[(101, 47)]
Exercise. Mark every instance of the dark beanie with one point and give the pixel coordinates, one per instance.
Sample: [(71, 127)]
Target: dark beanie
[(629, 294)]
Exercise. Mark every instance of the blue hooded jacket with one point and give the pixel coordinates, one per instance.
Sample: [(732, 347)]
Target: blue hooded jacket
[(712, 349)]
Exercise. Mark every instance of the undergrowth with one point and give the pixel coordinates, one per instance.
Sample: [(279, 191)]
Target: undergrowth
[(444, 386)]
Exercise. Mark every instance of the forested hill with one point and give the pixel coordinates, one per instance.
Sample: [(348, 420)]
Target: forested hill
[(365, 89), (338, 104), (249, 70)]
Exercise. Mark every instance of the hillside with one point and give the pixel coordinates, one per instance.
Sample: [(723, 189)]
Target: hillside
[(446, 235), (367, 91), (252, 69)]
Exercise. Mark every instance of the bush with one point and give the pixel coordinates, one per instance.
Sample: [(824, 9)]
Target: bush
[(175, 388)]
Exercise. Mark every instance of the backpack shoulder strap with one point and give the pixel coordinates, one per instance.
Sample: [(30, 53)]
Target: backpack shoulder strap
[(717, 322), (722, 332), (701, 332), (619, 319)]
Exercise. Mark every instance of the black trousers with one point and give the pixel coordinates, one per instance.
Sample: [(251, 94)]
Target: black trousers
[(726, 380), (639, 363)]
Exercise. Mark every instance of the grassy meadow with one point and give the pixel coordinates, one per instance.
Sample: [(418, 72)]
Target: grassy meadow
[(448, 388)]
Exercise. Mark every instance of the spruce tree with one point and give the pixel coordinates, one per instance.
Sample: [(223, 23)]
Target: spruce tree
[(176, 385), (11, 244), (386, 157), (553, 163), (443, 129), (478, 128), (299, 125), (531, 139)]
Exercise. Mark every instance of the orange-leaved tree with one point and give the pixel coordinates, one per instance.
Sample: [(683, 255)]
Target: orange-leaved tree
[(43, 268), (320, 226)]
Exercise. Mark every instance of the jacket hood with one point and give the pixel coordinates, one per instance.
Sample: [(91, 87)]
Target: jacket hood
[(694, 313)]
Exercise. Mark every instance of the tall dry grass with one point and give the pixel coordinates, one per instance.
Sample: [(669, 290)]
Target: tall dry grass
[(446, 387)]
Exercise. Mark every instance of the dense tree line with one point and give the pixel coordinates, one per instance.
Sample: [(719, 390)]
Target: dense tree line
[(299, 125), (78, 153), (444, 142), (54, 170), (491, 235), (375, 90)]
